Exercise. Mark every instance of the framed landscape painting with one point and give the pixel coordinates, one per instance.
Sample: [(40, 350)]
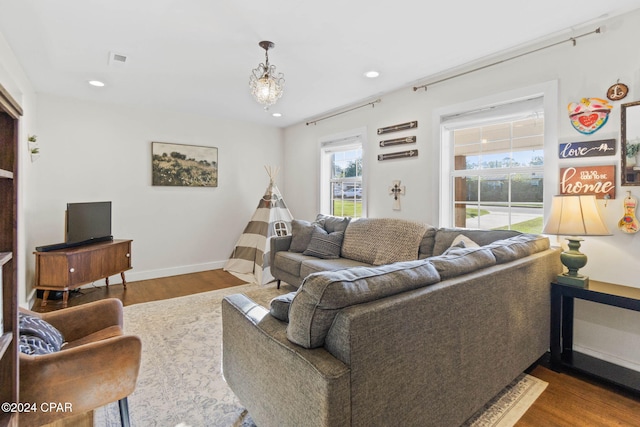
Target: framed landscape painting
[(179, 165)]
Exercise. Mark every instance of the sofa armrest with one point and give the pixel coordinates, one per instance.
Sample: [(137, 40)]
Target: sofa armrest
[(279, 382), (279, 243), (83, 320)]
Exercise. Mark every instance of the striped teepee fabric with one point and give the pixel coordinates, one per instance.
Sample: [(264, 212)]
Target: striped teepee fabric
[(250, 257)]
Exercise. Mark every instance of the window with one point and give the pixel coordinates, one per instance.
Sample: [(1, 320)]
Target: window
[(342, 188), (497, 160)]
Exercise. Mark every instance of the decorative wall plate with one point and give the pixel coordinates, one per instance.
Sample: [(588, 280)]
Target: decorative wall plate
[(617, 92), (589, 115)]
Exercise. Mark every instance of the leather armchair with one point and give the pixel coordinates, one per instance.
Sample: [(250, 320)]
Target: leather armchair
[(98, 365)]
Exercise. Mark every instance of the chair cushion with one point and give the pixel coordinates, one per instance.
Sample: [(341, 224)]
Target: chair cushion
[(103, 334), (38, 336)]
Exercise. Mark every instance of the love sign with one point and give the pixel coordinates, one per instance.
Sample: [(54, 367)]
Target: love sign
[(572, 150), (589, 115), (596, 180)]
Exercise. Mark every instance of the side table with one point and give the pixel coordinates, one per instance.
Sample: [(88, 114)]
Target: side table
[(562, 353)]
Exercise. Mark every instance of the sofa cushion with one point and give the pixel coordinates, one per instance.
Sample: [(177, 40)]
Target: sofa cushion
[(290, 262), (324, 245), (518, 247), (333, 223), (461, 261), (380, 241), (445, 236), (315, 265), (38, 336), (279, 306), (324, 294), (300, 235), (461, 241)]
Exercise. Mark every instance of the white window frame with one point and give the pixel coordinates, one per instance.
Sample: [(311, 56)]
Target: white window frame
[(548, 91), (353, 139)]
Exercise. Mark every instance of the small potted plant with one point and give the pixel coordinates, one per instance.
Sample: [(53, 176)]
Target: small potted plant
[(33, 147), (633, 147)]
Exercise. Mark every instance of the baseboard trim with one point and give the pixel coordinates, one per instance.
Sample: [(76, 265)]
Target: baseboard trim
[(607, 357), (134, 275)]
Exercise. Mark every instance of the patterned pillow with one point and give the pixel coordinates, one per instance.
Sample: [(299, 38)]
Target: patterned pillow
[(324, 245), (38, 336)]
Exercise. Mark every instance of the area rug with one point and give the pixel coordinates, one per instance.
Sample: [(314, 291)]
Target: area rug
[(180, 380)]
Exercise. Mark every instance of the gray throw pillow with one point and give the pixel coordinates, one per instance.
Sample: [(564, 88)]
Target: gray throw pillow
[(38, 336), (300, 235), (279, 306), (324, 245), (333, 223)]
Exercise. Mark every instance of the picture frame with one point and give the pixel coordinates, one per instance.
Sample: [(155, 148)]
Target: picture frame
[(180, 165), (630, 143)]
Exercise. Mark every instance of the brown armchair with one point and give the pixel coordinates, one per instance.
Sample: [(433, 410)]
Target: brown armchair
[(98, 365)]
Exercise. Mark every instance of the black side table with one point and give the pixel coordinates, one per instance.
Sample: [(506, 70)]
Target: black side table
[(562, 354)]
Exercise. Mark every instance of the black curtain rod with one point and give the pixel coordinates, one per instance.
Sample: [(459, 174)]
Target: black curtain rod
[(571, 39)]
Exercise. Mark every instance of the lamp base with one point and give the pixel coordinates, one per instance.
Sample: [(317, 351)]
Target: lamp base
[(579, 281)]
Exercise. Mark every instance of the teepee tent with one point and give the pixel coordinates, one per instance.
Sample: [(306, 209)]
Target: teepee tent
[(250, 257)]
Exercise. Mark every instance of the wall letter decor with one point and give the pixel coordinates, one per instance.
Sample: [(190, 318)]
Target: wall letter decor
[(596, 180), (574, 150)]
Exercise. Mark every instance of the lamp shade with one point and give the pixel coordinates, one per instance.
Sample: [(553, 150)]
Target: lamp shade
[(573, 215)]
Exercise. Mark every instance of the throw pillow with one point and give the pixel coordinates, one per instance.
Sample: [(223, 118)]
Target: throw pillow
[(38, 336), (324, 245), (300, 235), (279, 306), (461, 241), (333, 223)]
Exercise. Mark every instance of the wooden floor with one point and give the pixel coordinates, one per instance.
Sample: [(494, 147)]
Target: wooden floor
[(568, 401)]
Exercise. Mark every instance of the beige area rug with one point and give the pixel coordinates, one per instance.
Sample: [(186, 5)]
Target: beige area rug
[(180, 380)]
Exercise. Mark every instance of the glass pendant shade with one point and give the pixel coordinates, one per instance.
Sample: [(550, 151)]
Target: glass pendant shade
[(265, 82)]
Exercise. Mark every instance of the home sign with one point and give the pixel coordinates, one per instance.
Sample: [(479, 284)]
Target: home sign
[(574, 150), (597, 180)]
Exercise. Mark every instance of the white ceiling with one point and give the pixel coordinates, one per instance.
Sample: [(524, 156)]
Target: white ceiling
[(196, 55)]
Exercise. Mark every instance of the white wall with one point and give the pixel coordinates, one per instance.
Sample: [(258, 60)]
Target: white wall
[(586, 70), (95, 152)]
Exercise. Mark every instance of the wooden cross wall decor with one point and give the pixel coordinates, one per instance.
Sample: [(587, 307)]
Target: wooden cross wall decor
[(396, 190)]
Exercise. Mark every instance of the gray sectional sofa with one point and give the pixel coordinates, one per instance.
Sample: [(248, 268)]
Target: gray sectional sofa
[(422, 342)]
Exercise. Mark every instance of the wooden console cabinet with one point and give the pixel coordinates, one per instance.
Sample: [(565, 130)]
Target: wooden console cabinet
[(67, 269)]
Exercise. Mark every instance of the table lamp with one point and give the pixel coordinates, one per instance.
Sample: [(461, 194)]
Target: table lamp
[(574, 216)]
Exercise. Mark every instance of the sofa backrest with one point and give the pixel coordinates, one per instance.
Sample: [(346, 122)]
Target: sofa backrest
[(437, 240), (323, 295)]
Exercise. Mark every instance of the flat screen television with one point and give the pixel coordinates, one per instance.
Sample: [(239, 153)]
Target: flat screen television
[(88, 222)]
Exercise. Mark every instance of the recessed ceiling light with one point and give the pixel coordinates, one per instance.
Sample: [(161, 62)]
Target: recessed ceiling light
[(276, 114), (96, 83), (371, 74)]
